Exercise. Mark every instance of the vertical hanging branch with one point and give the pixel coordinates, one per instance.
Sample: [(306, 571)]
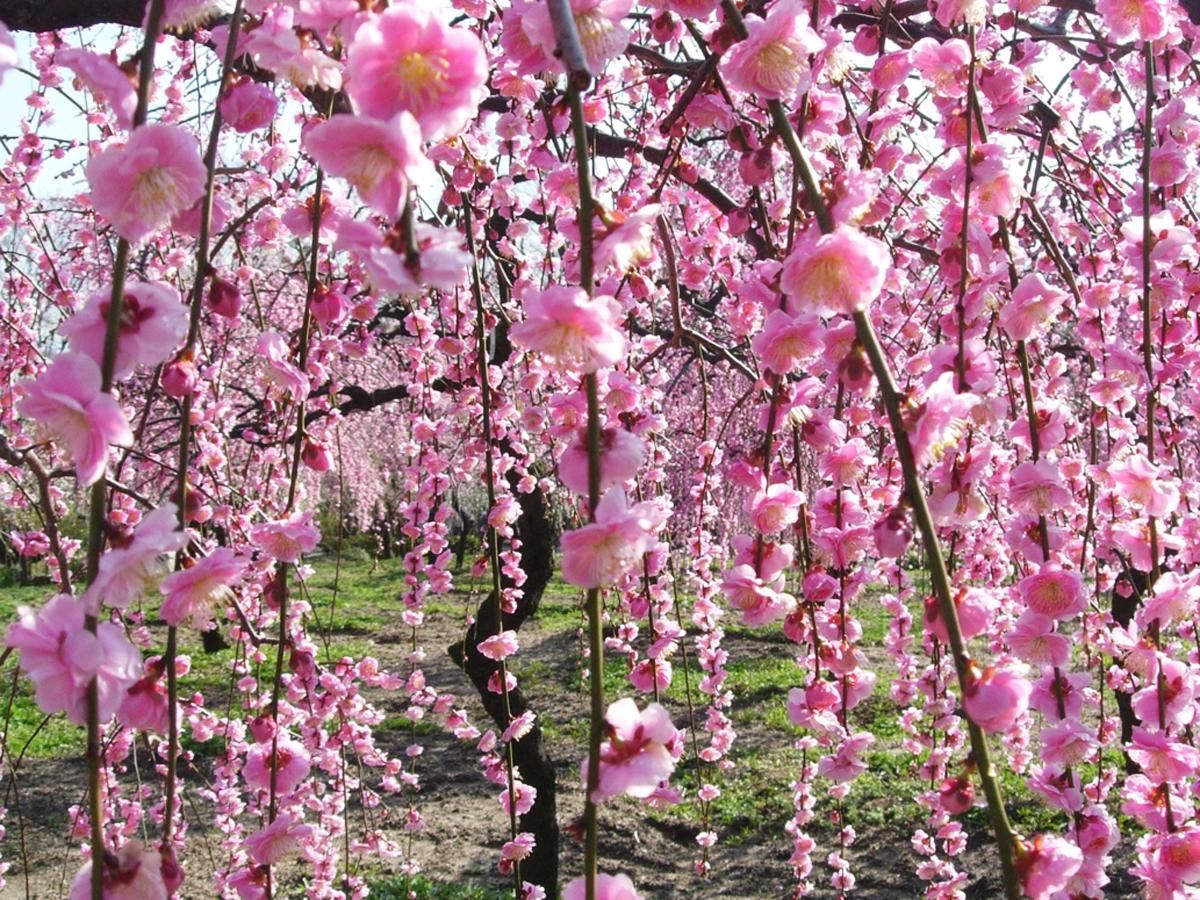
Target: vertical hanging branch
[(579, 77), (1005, 838), (97, 512), (493, 538), (185, 416)]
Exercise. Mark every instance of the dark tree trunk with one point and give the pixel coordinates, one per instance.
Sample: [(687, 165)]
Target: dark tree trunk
[(537, 557), (1123, 609)]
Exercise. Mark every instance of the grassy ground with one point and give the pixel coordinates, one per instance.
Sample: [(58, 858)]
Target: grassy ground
[(355, 613)]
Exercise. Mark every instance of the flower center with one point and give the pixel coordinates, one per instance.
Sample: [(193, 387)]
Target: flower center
[(422, 78)]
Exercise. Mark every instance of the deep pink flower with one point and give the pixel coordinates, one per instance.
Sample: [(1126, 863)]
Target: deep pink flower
[(499, 646), (620, 457), (61, 657), (191, 593), (772, 61), (407, 60), (1161, 758), (139, 186), (629, 240), (598, 554), (598, 23), (1149, 486), (938, 423), (286, 540), (974, 608), (380, 159), (1046, 864), (634, 758), (278, 367), (130, 874), (153, 322), (760, 601), (442, 263), (127, 572), (1032, 304), (248, 106), (995, 698), (608, 887), (1034, 640), (144, 706), (1054, 592), (786, 342), (291, 763), (846, 763), (104, 78), (574, 330), (1145, 20), (69, 407), (280, 839), (775, 508), (841, 272), (1036, 488)]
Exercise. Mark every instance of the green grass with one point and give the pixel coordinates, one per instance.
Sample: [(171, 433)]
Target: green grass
[(418, 887)]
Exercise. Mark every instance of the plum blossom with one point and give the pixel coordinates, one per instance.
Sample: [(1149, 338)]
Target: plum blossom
[(287, 539), (938, 422), (248, 106), (1053, 592), (1145, 20), (61, 657), (598, 554), (775, 508), (574, 330), (840, 272), (380, 159), (105, 79), (608, 887), (407, 60), (291, 763), (634, 758), (760, 600), (67, 404), (132, 873), (786, 342), (128, 571), (995, 698), (499, 646), (153, 321), (1149, 486), (598, 23), (441, 263), (192, 592), (278, 367), (772, 61), (621, 455), (139, 186), (1033, 303), (1046, 864), (283, 837)]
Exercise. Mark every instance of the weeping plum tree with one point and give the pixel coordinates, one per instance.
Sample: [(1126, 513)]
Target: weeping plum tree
[(780, 306)]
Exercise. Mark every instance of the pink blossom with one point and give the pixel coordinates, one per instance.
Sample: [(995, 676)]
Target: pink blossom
[(144, 706), (1172, 599), (1161, 758), (634, 758), (772, 61), (1149, 486), (407, 60), (608, 887), (598, 23), (786, 342), (1067, 743), (291, 762), (127, 572), (1032, 304), (775, 508), (380, 159), (621, 454), (130, 874), (1167, 698), (287, 540), (570, 328), (995, 698), (499, 646), (1036, 488), (939, 421), (1145, 20), (279, 369), (760, 602), (974, 607), (283, 837), (1179, 855), (1034, 640), (248, 106), (893, 533), (840, 272), (1053, 591), (598, 554), (224, 298), (153, 322), (629, 241), (105, 79), (442, 263), (943, 64), (139, 186), (846, 763), (192, 592), (61, 657), (1046, 864), (69, 407)]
